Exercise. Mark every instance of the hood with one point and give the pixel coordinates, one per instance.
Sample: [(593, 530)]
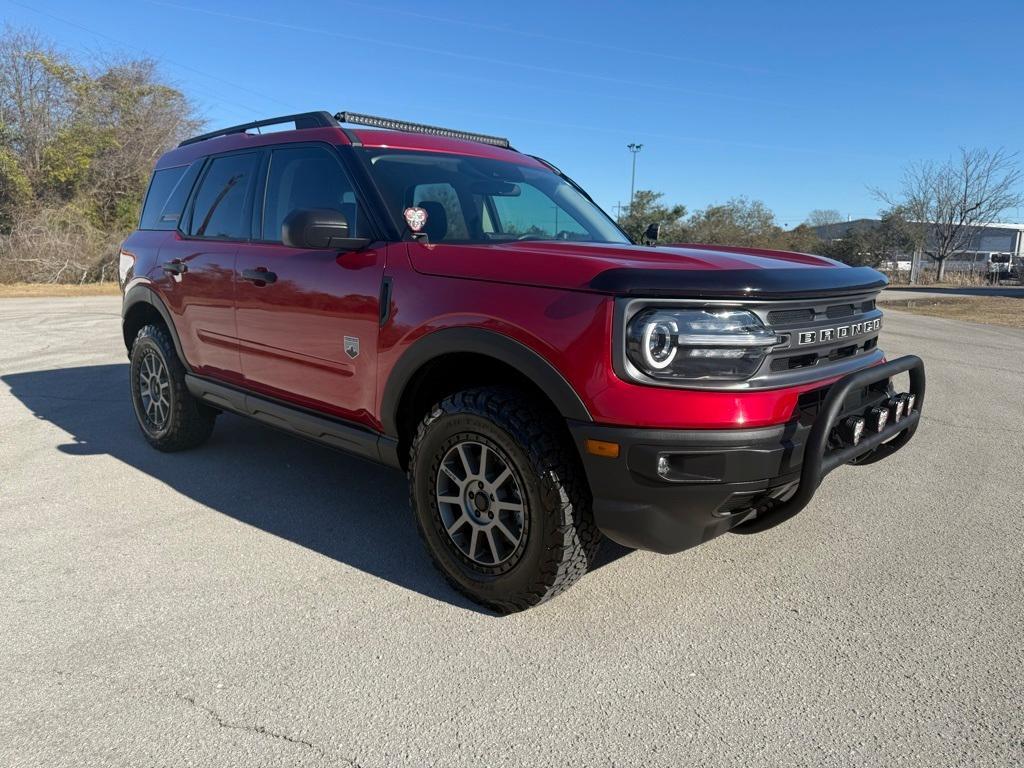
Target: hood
[(697, 271)]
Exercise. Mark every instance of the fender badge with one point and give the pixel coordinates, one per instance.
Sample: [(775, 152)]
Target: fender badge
[(416, 218), (352, 346)]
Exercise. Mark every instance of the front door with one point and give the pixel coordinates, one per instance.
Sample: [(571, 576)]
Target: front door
[(307, 320)]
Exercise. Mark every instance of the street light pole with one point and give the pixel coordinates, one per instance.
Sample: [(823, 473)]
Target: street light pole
[(634, 148)]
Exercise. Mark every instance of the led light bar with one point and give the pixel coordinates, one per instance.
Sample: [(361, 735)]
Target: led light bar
[(878, 418), (897, 406), (852, 429), (388, 124)]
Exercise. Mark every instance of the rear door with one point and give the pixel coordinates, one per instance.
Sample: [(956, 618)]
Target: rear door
[(198, 264), (309, 334)]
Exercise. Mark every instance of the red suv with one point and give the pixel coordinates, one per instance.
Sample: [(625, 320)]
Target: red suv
[(437, 301)]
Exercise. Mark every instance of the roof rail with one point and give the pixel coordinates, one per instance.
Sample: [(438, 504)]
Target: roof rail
[(301, 120), (401, 125)]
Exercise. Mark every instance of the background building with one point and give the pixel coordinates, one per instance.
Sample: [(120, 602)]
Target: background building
[(1005, 242)]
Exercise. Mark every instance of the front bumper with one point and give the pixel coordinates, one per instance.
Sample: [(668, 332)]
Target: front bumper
[(668, 490)]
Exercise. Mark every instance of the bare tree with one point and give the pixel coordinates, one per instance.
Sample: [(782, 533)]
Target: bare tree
[(33, 99), (822, 217), (952, 201)]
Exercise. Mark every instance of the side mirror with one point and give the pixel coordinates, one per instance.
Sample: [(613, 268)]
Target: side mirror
[(652, 233), (318, 228)]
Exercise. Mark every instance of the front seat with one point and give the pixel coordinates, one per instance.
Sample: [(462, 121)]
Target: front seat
[(436, 227)]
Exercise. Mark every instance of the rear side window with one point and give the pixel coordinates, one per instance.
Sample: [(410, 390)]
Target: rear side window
[(165, 200), (304, 178), (220, 210)]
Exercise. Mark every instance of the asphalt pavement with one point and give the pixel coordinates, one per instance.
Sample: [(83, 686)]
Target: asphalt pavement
[(263, 601)]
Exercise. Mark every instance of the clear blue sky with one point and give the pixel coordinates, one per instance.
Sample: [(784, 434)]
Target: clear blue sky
[(800, 104)]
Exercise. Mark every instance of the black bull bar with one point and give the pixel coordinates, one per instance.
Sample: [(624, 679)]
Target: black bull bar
[(818, 461)]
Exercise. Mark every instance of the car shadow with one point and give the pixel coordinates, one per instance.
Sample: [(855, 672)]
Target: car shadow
[(350, 510)]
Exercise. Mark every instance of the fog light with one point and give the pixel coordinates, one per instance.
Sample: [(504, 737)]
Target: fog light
[(897, 405), (878, 417), (852, 429), (663, 466)]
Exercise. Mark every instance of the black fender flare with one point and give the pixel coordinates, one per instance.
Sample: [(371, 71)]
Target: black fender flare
[(143, 293), (484, 342)]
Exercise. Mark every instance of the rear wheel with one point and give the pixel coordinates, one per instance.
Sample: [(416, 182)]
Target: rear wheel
[(171, 419), (500, 500)]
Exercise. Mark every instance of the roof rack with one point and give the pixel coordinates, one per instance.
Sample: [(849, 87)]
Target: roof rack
[(301, 120), (401, 125)]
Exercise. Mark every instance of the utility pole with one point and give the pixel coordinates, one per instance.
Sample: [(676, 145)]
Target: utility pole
[(634, 148)]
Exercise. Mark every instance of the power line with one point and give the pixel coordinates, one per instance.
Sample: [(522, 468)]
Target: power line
[(560, 38)]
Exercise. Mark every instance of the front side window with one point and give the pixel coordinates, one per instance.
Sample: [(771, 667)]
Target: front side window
[(480, 200), (220, 209), (531, 212), (302, 178)]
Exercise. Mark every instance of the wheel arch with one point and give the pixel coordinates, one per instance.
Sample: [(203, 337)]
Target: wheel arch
[(420, 377), (141, 306)]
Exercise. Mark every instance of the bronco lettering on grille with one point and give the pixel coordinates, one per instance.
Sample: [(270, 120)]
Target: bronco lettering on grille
[(842, 332)]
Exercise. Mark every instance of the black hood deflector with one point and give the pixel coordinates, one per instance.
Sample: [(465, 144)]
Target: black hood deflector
[(765, 284)]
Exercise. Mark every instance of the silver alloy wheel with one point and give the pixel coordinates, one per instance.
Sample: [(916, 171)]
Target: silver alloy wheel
[(155, 390), (480, 502)]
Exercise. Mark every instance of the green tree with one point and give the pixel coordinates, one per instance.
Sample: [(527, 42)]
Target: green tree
[(648, 209), (15, 189), (739, 221), (894, 236), (78, 146)]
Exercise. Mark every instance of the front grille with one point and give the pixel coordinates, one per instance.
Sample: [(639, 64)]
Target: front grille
[(793, 362), (817, 337), (840, 310), (790, 316)]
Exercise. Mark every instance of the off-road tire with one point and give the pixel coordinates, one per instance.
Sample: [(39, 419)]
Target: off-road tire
[(188, 422), (560, 540)]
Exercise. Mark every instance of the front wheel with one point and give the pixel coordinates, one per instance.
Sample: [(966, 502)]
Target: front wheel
[(500, 500)]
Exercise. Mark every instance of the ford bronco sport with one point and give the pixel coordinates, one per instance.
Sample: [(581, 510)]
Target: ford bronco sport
[(439, 302)]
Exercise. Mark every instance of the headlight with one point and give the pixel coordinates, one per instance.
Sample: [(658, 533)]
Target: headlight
[(679, 344)]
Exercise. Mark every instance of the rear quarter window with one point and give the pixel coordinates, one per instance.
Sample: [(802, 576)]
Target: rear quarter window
[(168, 192)]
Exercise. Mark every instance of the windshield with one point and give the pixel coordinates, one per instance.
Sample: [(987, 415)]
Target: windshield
[(480, 200)]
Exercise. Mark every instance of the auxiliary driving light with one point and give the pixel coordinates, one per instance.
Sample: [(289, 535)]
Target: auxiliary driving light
[(911, 401), (878, 417), (897, 407), (852, 429)]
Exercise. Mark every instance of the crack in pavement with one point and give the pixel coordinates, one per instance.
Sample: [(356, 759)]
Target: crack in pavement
[(258, 729)]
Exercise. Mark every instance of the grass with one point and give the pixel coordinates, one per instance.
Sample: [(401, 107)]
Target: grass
[(992, 310), (29, 290)]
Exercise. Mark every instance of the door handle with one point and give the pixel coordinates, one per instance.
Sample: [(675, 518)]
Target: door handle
[(175, 267), (259, 276)]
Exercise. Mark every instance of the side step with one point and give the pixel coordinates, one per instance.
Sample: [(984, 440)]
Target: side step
[(298, 421)]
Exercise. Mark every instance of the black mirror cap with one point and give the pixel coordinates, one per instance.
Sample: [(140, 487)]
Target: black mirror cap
[(315, 228), (652, 233)]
